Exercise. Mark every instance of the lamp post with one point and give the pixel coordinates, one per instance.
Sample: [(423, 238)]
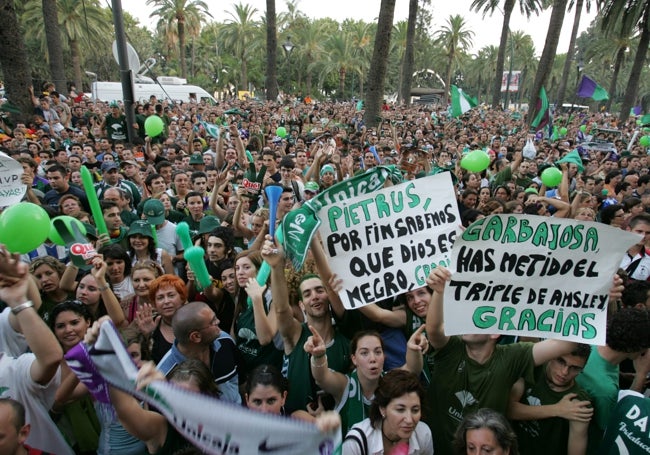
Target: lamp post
[(507, 101), (93, 85), (288, 47), (580, 66)]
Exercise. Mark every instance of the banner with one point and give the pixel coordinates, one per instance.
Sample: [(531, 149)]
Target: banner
[(628, 429), (300, 225), (12, 189), (214, 426), (385, 243), (535, 276), (515, 77)]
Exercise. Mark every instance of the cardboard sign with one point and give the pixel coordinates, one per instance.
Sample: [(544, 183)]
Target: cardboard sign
[(11, 188), (384, 243), (533, 275)]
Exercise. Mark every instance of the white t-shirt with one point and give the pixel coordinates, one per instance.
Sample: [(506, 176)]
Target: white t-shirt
[(168, 239), (420, 442)]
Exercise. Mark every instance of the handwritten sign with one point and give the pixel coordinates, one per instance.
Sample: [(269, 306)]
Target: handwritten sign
[(385, 243), (534, 276), (11, 188)]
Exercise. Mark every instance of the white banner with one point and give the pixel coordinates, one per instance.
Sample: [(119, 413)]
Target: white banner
[(11, 188), (535, 276), (217, 427), (385, 243), (515, 77)]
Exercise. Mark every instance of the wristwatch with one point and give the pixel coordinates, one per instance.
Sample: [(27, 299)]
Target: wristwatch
[(22, 306)]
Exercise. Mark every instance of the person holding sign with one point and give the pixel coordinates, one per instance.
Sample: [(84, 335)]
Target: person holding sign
[(472, 371), (354, 392)]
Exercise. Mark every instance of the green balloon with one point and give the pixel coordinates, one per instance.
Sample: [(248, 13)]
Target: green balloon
[(68, 221), (24, 227), (476, 161), (583, 128), (281, 132), (153, 126), (563, 131), (644, 141), (551, 177)]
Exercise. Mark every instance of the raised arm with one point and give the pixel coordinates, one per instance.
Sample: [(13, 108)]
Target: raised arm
[(326, 275), (435, 323), (112, 304), (14, 285), (266, 325), (289, 327), (330, 381)]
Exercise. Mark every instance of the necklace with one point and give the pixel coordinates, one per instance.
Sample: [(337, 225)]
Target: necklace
[(392, 441)]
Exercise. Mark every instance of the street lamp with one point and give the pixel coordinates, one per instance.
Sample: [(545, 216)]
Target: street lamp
[(459, 78), (93, 85), (288, 47), (580, 66)]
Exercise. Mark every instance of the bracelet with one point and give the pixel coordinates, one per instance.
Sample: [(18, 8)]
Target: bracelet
[(22, 306), (319, 365), (106, 287)]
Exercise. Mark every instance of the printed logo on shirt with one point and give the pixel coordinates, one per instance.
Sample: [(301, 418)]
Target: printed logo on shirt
[(466, 398)]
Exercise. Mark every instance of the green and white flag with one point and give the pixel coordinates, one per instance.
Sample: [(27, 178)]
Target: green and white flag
[(461, 102)]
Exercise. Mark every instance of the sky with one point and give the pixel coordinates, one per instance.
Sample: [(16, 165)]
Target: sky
[(487, 31)]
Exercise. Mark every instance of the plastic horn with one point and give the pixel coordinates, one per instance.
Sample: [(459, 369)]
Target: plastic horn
[(155, 235), (633, 140), (265, 270), (95, 209), (194, 257), (183, 231), (273, 193)]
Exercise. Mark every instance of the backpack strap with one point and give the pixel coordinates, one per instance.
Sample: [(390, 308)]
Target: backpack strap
[(355, 434)]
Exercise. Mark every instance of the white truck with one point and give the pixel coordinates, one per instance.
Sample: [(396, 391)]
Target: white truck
[(170, 88)]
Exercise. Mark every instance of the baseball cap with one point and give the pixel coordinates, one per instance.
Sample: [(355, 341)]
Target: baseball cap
[(208, 224), (326, 168), (91, 232), (196, 158), (140, 227), (312, 187), (154, 211), (133, 162), (109, 165)]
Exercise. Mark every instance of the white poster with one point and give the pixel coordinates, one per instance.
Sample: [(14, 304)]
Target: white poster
[(385, 243), (535, 276), (11, 188), (515, 77)]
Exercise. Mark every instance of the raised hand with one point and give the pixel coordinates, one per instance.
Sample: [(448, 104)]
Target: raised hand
[(572, 409), (418, 341), (314, 344), (437, 279), (144, 319)]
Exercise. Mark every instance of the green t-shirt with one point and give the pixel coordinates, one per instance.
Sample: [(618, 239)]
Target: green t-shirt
[(253, 353), (627, 431), (460, 385), (297, 369), (545, 436)]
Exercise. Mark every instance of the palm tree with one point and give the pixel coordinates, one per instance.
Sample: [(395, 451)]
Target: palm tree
[(550, 48), (629, 15), (54, 47), (525, 60), (83, 27), (310, 37), (239, 36), (179, 12), (379, 62), (527, 8), (271, 82), (409, 54), (455, 39), (13, 61), (579, 4), (337, 57), (360, 34)]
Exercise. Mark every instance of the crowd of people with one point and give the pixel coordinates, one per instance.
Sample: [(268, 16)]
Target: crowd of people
[(386, 373)]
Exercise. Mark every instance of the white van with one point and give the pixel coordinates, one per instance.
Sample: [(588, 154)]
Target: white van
[(173, 88)]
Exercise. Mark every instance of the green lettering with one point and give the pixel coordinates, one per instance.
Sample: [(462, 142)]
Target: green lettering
[(591, 236), (588, 330), (509, 235), (495, 227), (414, 199), (571, 325), (577, 235), (473, 232), (333, 214), (482, 317), (398, 205), (506, 318), (527, 318), (525, 231), (558, 321), (541, 235), (554, 236), (383, 209), (541, 322), (566, 237)]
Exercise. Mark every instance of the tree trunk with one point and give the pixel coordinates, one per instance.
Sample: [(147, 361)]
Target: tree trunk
[(566, 72), (508, 6), (620, 55), (244, 75), (54, 47), (379, 63), (548, 54), (341, 93), (409, 54), (13, 60), (271, 81), (75, 54), (448, 77), (639, 60), (181, 46)]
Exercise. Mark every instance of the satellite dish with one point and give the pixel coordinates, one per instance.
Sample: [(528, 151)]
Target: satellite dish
[(132, 55)]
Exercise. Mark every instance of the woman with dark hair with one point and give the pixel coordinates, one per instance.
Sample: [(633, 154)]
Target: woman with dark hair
[(118, 270), (48, 272), (142, 274), (255, 329), (485, 431), (613, 215), (142, 246), (394, 419)]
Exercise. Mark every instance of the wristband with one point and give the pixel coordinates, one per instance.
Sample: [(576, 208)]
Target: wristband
[(22, 306), (106, 287), (319, 365)]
